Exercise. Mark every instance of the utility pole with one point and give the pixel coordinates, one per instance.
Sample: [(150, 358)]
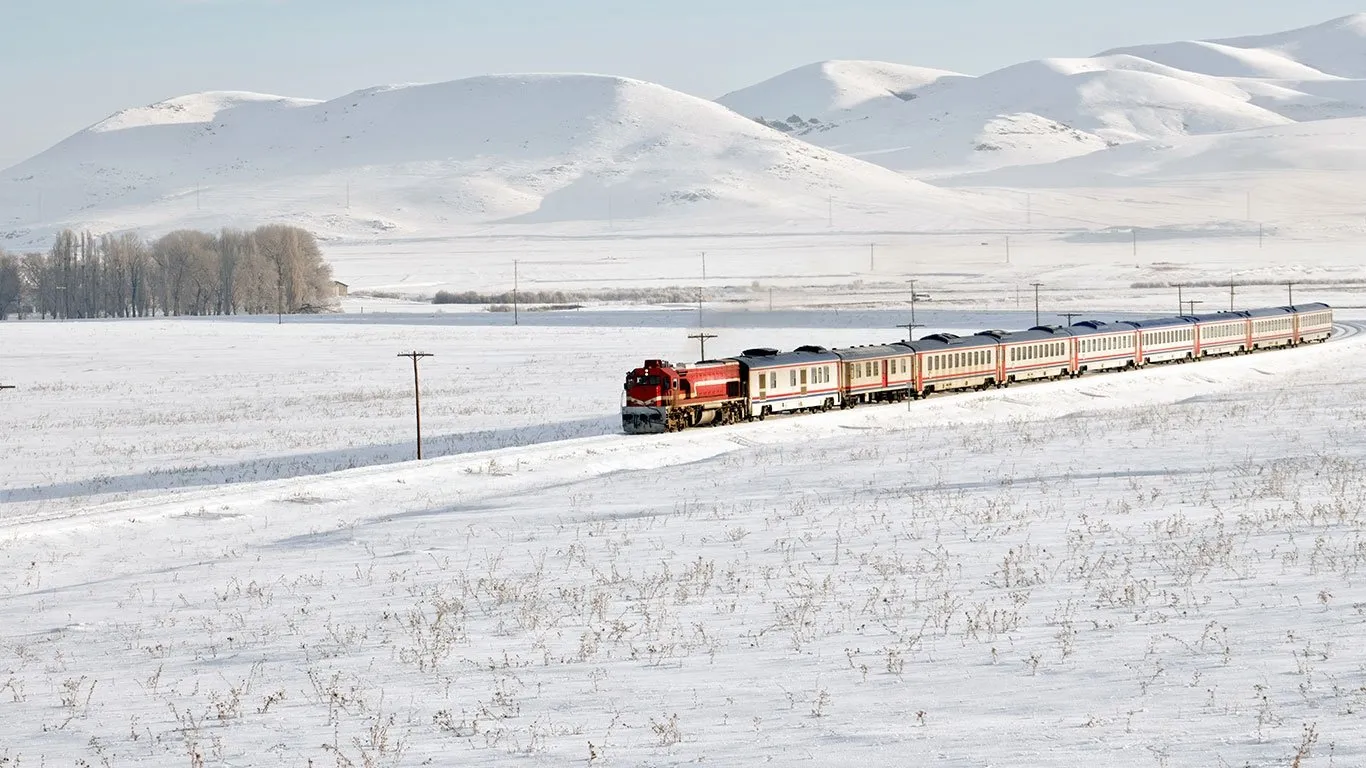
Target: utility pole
[(704, 266), (910, 329), (1291, 288), (770, 299), (1135, 233), (515, 320), (1036, 302), (871, 267), (417, 397), (702, 339), (1007, 249), (1179, 302), (1192, 303), (1069, 316), (913, 282), (1230, 294)]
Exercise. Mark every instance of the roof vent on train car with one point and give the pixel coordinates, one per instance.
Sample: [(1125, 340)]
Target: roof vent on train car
[(995, 333), (944, 337), (812, 348), (1093, 324), (1047, 328), (760, 352)]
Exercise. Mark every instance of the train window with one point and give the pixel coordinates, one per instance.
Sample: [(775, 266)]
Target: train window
[(792, 377)]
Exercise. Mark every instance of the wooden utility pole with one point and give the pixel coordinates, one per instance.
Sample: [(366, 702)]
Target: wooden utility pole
[(1230, 294), (1036, 302), (1069, 316), (417, 396), (1192, 303), (1179, 301), (702, 338), (910, 329), (1291, 288), (913, 282)]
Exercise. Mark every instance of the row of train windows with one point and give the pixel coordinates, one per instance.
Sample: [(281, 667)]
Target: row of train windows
[(1317, 318), (1106, 343), (1222, 332), (794, 375), (874, 367), (1169, 337), (1273, 325), (961, 359), (1035, 351)]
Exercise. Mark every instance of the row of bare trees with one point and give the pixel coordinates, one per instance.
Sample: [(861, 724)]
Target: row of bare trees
[(275, 268)]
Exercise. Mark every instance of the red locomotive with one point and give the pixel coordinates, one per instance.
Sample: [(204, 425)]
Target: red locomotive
[(661, 397)]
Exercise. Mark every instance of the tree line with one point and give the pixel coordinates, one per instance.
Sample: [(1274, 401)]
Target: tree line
[(274, 268)]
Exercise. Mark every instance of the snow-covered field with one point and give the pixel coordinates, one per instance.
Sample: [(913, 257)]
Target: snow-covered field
[(215, 548), (1154, 568)]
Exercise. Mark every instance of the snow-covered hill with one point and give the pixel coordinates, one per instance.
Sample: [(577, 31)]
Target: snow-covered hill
[(817, 91), (1051, 109), (513, 150)]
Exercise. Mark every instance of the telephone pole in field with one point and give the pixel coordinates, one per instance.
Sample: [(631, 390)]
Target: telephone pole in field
[(910, 329), (1036, 302), (417, 396), (702, 337), (1069, 316)]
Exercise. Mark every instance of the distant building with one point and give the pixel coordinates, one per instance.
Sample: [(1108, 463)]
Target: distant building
[(340, 288)]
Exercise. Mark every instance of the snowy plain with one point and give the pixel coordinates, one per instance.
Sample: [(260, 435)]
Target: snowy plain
[(215, 549), (1151, 568)]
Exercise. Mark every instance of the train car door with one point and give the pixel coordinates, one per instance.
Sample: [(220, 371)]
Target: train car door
[(803, 377), (885, 363)]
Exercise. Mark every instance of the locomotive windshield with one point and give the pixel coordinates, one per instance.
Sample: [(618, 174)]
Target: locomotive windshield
[(645, 381)]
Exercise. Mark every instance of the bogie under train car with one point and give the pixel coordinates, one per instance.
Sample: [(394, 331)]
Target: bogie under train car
[(662, 397)]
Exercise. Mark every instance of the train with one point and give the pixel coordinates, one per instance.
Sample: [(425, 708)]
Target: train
[(662, 397)]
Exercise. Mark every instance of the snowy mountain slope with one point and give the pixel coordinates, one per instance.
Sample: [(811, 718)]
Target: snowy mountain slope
[(1335, 47), (523, 149), (820, 89), (1037, 112), (1334, 149), (1072, 106)]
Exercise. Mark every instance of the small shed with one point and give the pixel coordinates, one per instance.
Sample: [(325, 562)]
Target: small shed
[(339, 288)]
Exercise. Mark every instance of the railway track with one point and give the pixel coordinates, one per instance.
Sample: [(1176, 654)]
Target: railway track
[(1347, 329)]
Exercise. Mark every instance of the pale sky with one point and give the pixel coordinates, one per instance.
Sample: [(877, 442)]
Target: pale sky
[(66, 64)]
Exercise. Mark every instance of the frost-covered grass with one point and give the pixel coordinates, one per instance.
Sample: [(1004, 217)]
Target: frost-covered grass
[(1159, 568)]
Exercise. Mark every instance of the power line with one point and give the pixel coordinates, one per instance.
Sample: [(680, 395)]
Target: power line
[(417, 397)]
